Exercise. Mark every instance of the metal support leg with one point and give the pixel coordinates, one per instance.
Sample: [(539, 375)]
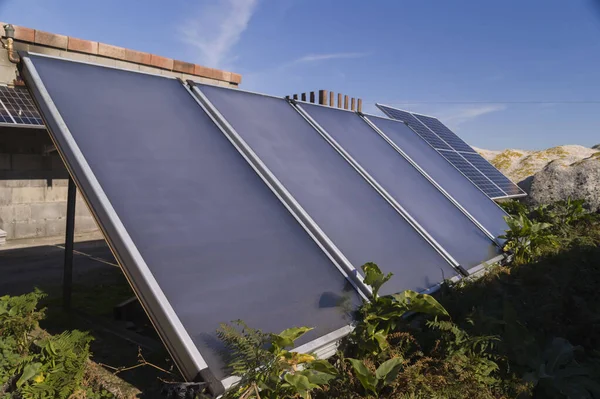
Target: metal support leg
[(69, 237)]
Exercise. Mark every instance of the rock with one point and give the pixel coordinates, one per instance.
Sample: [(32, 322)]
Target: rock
[(557, 181), (596, 147), (518, 165)]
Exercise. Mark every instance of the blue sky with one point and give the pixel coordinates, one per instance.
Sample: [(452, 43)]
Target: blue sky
[(511, 73)]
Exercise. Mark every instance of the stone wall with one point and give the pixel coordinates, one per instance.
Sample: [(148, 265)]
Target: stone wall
[(33, 187)]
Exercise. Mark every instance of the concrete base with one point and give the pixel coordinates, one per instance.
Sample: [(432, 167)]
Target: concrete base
[(2, 237)]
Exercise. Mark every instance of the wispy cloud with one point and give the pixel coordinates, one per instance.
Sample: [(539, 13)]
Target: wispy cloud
[(310, 58), (461, 115), (216, 27)]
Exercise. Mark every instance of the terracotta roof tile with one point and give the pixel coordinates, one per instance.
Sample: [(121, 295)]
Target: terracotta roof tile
[(119, 53)]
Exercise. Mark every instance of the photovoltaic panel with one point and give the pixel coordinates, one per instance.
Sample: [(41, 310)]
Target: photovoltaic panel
[(346, 207), (17, 108), (478, 204), (473, 174), (444, 140), (446, 223), (491, 172), (445, 134), (413, 122), (200, 236)]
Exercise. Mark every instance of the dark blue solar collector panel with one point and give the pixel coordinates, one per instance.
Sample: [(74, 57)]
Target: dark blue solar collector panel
[(473, 174), (418, 127), (494, 174), (478, 204), (444, 133), (213, 240), (460, 237), (489, 179), (359, 221)]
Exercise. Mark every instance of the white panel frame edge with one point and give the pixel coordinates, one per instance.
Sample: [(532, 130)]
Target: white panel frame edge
[(166, 322), (325, 345)]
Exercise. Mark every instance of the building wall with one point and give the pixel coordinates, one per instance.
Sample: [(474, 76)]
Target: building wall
[(33, 184), (33, 187)]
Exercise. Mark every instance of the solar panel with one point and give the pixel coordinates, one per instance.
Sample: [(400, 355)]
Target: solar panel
[(473, 200), (484, 175), (200, 236), (434, 212), (348, 209), (494, 174), (473, 174), (444, 133), (18, 109), (413, 122)]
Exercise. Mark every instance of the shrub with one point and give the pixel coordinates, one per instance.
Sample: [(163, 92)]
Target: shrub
[(34, 364)]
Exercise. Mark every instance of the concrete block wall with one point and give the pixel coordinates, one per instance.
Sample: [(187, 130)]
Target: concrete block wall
[(33, 188)]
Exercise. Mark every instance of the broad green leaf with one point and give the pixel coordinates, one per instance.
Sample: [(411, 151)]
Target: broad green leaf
[(364, 375), (323, 366), (421, 303), (317, 377), (29, 371), (374, 277), (388, 370), (287, 337), (300, 382), (381, 339)]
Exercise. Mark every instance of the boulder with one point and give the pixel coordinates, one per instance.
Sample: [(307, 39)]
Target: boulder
[(559, 181)]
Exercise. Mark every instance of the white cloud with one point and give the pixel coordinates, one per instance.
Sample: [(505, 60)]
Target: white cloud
[(310, 58), (461, 115), (216, 27)]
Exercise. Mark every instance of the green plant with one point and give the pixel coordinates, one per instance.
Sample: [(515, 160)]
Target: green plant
[(560, 375), (528, 240), (476, 352), (385, 374), (19, 316), (514, 207), (268, 370), (382, 314), (34, 364)]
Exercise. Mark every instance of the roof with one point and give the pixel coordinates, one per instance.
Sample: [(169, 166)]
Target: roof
[(74, 44)]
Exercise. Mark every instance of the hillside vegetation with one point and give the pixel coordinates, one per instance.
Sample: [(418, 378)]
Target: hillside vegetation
[(521, 164)]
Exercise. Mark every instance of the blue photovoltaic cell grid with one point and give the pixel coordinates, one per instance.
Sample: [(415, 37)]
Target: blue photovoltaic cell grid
[(445, 134), (17, 107), (473, 174), (421, 130), (494, 174), (483, 174)]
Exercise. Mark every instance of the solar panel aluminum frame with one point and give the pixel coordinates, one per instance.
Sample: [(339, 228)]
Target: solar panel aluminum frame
[(326, 345), (166, 322), (365, 117), (313, 229), (458, 152), (380, 190)]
